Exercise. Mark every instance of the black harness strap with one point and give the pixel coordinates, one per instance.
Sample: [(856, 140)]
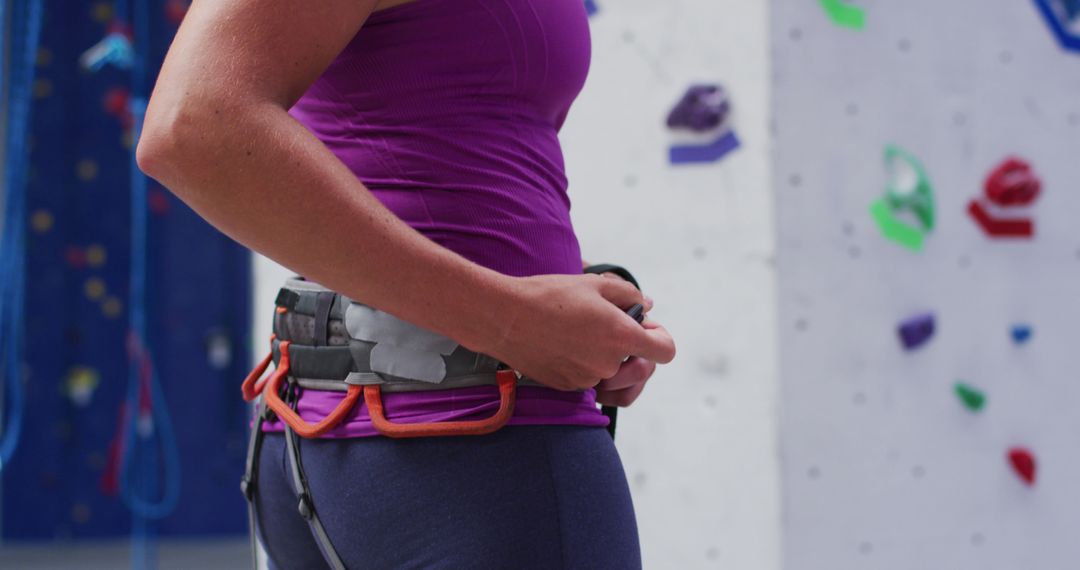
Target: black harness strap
[(323, 303), (251, 477), (306, 505)]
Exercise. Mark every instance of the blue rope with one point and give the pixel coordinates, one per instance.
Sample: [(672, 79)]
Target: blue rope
[(138, 479), (13, 252)]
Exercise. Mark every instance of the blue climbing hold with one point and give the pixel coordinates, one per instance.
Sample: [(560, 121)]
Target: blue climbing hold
[(1060, 15), (591, 7), (1021, 333)]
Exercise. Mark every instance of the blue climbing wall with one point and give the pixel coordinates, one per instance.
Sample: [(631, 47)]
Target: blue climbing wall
[(62, 480)]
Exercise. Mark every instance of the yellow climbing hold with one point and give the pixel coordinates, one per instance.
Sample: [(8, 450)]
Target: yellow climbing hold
[(86, 169), (95, 255), (94, 288), (42, 88), (112, 307), (41, 221), (80, 384), (103, 12)]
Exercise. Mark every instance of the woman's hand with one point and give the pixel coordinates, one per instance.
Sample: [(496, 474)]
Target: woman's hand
[(626, 385), (570, 331)]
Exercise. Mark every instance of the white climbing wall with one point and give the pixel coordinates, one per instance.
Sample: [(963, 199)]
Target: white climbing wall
[(883, 466), (700, 445)]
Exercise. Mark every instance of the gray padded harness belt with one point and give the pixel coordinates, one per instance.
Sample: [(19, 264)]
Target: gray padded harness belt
[(335, 342)]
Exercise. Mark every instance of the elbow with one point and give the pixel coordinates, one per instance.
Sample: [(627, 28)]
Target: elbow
[(168, 141), (151, 152)]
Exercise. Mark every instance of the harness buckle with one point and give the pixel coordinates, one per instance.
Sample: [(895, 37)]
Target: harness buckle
[(304, 506)]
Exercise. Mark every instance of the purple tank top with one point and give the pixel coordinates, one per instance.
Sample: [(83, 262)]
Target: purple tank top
[(448, 111)]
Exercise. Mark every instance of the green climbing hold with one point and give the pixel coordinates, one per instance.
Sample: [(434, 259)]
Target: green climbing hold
[(908, 194), (972, 398), (894, 229), (844, 15)]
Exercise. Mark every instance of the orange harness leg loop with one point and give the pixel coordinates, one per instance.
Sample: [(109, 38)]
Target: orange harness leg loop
[(507, 381), (287, 415), (252, 387)]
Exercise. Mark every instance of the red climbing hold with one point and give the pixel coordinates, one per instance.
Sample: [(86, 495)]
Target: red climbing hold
[(1023, 462), (1000, 227), (158, 202), (1012, 183), (75, 256), (117, 104), (175, 10)]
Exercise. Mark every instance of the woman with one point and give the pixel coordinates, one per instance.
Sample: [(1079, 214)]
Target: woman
[(420, 173)]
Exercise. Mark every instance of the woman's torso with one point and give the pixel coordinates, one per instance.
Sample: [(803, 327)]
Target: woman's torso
[(448, 111)]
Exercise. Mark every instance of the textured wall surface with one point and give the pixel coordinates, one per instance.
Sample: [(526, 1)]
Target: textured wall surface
[(883, 465)]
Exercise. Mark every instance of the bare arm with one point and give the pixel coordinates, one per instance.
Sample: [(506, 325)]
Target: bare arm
[(217, 134)]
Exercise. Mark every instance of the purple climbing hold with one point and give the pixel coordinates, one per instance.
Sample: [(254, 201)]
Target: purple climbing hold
[(709, 152), (702, 108), (915, 331)]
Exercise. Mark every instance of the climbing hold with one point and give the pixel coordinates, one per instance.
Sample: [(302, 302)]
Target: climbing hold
[(95, 255), (86, 169), (591, 8), (1021, 333), (80, 384), (915, 331), (844, 15), (118, 105), (1023, 462), (218, 349), (1012, 183), (704, 111), (973, 398), (711, 152), (907, 190), (94, 288), (702, 108), (112, 307), (114, 48), (75, 257), (41, 220), (175, 10), (1061, 17), (157, 202), (999, 227)]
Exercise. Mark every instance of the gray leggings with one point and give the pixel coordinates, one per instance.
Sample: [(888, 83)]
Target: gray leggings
[(543, 497)]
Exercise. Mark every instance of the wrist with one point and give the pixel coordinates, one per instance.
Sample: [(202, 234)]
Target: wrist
[(486, 319)]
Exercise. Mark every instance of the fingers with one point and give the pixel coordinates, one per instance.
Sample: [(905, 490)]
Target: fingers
[(634, 371), (654, 343), (621, 398), (621, 293)]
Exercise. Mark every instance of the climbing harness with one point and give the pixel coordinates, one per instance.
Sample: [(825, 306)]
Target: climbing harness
[(325, 341)]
